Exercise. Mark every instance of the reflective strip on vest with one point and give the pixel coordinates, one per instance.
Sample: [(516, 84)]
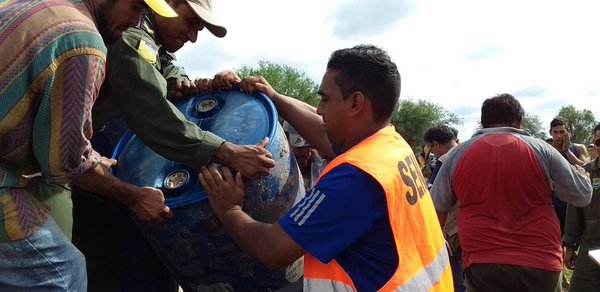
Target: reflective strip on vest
[(430, 275), (326, 285)]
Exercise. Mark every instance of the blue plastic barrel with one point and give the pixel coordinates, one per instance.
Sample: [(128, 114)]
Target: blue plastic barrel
[(193, 245)]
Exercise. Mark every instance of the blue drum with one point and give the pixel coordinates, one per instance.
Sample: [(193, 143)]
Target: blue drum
[(194, 246)]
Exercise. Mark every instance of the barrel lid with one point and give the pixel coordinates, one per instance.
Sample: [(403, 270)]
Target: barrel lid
[(235, 116)]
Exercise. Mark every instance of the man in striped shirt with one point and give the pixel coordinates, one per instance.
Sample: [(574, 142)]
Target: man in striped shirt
[(52, 65)]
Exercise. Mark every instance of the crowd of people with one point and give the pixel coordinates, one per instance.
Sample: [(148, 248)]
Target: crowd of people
[(489, 216)]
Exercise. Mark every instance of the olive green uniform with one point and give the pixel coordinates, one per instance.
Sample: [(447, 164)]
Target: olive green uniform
[(582, 228), (135, 88), (138, 72)]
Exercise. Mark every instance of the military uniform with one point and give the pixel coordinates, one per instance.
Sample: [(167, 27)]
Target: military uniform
[(135, 89), (138, 72), (582, 228)]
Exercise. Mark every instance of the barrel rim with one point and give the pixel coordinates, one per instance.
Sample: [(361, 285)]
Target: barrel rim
[(194, 197)]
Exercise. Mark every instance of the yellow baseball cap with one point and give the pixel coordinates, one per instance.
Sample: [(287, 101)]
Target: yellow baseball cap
[(161, 7)]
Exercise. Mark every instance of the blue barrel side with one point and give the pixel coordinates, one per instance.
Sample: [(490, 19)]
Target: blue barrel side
[(193, 245)]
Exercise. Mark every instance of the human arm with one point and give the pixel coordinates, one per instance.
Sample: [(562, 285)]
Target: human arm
[(224, 80), (302, 116), (338, 205), (63, 149), (179, 85), (571, 157), (145, 203), (441, 191), (574, 226), (252, 161), (571, 182), (442, 216), (139, 90), (266, 242), (569, 257)]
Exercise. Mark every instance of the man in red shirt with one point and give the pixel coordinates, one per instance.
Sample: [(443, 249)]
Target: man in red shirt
[(503, 180)]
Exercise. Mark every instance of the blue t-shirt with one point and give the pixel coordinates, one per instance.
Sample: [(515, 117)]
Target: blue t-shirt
[(344, 217)]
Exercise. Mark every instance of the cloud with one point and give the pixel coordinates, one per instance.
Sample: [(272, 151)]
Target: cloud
[(549, 106), (355, 18), (592, 93), (466, 111), (205, 60), (484, 52), (530, 92)]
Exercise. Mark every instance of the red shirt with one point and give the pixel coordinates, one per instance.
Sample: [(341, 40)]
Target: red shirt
[(503, 180)]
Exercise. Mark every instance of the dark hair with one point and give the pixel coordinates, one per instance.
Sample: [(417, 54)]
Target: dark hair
[(370, 70), (559, 121), (596, 128), (501, 110), (441, 133)]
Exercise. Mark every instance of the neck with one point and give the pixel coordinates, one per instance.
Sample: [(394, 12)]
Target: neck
[(362, 135), (91, 6)]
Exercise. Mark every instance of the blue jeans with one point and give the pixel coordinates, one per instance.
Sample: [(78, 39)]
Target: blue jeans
[(457, 271), (44, 261)]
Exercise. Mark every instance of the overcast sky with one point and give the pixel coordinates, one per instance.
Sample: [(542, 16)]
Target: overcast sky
[(454, 53)]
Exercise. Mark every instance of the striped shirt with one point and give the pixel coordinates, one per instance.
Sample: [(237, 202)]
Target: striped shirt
[(51, 69)]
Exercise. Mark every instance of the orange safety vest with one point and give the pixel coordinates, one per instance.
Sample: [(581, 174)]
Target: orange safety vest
[(423, 259)]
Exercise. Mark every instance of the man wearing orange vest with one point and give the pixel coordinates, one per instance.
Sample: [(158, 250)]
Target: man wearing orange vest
[(369, 223)]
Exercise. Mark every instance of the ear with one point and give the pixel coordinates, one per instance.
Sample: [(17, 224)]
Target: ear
[(519, 124), (357, 102)]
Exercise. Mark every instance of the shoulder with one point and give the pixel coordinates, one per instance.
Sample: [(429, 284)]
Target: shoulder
[(580, 147), (133, 36), (67, 25), (590, 165), (135, 40), (346, 176)]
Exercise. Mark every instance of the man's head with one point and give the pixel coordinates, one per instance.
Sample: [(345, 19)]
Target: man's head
[(300, 148), (115, 16), (559, 128), (194, 15), (440, 139), (360, 89), (596, 140), (502, 110)]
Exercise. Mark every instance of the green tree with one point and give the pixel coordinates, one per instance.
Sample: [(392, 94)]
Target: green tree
[(412, 119), (581, 123), (533, 125), (285, 80)]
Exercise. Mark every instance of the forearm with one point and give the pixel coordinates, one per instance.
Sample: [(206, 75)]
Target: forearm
[(62, 147), (574, 160), (99, 181), (574, 223), (139, 90), (304, 118), (442, 216), (255, 238), (569, 185)]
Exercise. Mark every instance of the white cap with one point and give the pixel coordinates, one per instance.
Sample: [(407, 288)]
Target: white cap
[(295, 139)]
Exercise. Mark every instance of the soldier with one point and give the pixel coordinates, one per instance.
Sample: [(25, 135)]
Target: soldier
[(140, 76)]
